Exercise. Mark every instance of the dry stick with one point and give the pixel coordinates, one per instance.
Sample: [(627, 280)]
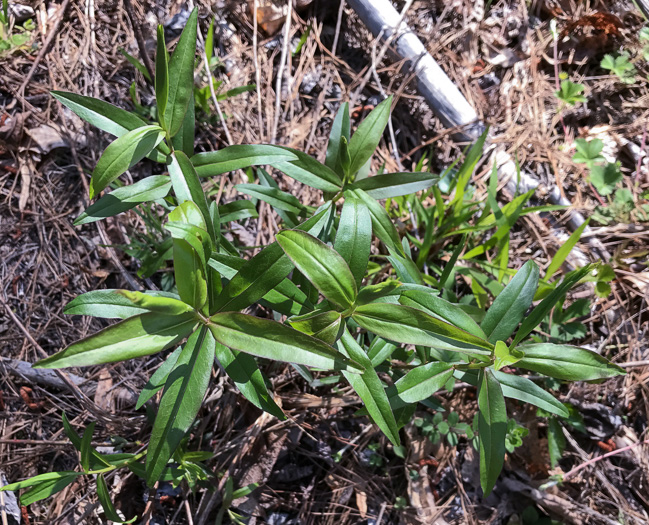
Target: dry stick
[(257, 70), (280, 71), (212, 92), (599, 458), (339, 22), (139, 37), (54, 31)]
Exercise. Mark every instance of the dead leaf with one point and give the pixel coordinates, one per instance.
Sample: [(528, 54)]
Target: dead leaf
[(103, 394), (46, 138), (26, 179), (361, 503)]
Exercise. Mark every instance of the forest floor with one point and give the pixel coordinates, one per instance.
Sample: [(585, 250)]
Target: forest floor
[(326, 465)]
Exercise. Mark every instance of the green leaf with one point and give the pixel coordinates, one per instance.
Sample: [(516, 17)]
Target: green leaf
[(380, 350), (276, 198), (189, 271), (571, 93), (86, 447), (264, 272), (421, 383), (181, 76), (368, 135), (309, 171), (104, 498), (441, 309), (156, 303), (544, 307), (110, 304), (100, 114), (520, 388), (382, 225), (237, 211), (492, 426), (125, 198), (42, 486), (566, 362), (136, 64), (321, 265), (564, 251), (184, 139), (605, 178), (354, 236), (466, 171), (158, 379), (369, 388), (505, 356), (138, 336), (243, 370), (94, 460), (161, 77), (406, 325), (556, 441), (339, 129), (265, 338), (511, 304), (238, 157), (122, 154), (588, 151), (395, 184), (187, 187), (209, 42), (181, 400)]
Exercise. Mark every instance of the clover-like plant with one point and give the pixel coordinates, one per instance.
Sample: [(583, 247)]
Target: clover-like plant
[(314, 274)]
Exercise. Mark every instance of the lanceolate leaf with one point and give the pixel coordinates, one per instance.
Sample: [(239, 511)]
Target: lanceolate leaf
[(100, 114), (354, 236), (187, 187), (182, 397), (510, 306), (421, 382), (395, 184), (122, 154), (521, 388), (237, 157), (138, 336), (564, 251), (42, 486), (161, 77), (126, 198), (181, 76), (545, 306), (104, 498), (264, 272), (567, 362), (189, 271), (309, 171), (110, 304), (265, 338), (243, 370), (442, 309), (368, 135), (406, 325), (369, 388), (492, 426), (184, 139), (237, 211), (339, 129), (158, 379), (382, 225), (321, 264), (276, 198)]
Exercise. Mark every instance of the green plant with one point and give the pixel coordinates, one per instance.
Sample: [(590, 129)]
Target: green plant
[(570, 93), (515, 435), (315, 273), (620, 66), (13, 36), (435, 427), (643, 36)]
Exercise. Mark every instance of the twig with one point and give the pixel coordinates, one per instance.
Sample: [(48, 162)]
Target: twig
[(257, 70), (599, 458), (339, 22), (212, 92), (139, 37), (280, 71), (54, 31)]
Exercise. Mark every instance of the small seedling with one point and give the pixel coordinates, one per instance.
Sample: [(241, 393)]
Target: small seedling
[(620, 66), (570, 93)]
